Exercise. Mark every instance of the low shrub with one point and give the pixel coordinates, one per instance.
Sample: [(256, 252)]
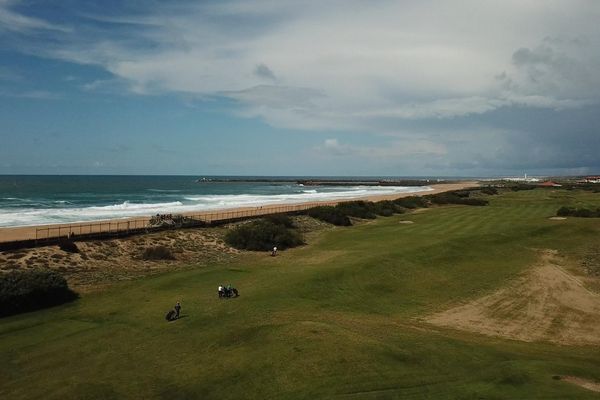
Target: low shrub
[(30, 290), (263, 234), (357, 209), (474, 202), (452, 198), (462, 193), (565, 211), (68, 245), (339, 215), (578, 212), (387, 208), (157, 253), (280, 219), (489, 190), (412, 202), (330, 214), (522, 186)]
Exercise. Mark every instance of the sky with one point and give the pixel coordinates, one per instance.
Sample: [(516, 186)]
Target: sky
[(271, 87)]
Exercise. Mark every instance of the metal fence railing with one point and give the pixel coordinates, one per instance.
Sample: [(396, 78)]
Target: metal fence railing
[(106, 228)]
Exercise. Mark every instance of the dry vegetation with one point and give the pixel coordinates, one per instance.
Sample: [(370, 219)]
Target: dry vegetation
[(102, 262)]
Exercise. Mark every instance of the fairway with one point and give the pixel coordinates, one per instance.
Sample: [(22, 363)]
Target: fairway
[(344, 317)]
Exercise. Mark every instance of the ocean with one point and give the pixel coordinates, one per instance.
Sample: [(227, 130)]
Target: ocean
[(35, 200)]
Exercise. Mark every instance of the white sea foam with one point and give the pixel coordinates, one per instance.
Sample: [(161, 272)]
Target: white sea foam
[(37, 216)]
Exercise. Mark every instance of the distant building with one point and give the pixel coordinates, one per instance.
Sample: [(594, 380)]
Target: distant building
[(549, 184), (523, 178), (592, 179)]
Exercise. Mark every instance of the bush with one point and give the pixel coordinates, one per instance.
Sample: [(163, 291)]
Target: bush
[(578, 212), (452, 198), (489, 190), (565, 211), (68, 245), (412, 202), (522, 186), (462, 193), (474, 202), (330, 214), (23, 291), (280, 219), (263, 234), (357, 209), (387, 208), (157, 253)]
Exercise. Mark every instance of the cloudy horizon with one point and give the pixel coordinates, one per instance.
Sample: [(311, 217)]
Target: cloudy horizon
[(402, 88)]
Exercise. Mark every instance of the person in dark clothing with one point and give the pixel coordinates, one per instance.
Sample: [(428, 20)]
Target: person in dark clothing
[(177, 309)]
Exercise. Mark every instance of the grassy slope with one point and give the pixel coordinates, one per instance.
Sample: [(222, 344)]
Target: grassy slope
[(338, 318)]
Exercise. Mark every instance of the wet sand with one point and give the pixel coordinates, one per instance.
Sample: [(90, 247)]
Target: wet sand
[(43, 231)]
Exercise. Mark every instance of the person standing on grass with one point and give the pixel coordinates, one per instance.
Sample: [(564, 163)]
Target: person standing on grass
[(274, 252), (177, 309)]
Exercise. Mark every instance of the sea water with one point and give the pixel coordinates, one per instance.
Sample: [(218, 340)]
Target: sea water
[(35, 200)]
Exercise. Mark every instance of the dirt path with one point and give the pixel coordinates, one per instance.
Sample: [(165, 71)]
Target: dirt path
[(546, 304)]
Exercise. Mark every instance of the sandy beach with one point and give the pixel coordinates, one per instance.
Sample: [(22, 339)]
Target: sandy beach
[(42, 231)]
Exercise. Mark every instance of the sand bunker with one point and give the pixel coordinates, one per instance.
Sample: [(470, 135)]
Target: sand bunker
[(545, 304), (405, 222), (557, 218)]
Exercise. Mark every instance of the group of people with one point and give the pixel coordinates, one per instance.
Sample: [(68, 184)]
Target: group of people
[(227, 291), (224, 291), (160, 219)]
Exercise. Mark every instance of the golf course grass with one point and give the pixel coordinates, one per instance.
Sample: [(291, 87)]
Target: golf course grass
[(342, 318)]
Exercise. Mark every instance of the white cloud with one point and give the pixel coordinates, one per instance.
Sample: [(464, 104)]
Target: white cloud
[(393, 150), (346, 65), (16, 22)]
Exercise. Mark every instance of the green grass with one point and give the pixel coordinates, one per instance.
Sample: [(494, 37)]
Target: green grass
[(339, 318)]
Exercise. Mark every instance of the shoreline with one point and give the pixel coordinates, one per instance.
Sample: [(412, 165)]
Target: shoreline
[(18, 233)]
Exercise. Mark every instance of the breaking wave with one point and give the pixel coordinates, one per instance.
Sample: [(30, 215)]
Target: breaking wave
[(66, 212)]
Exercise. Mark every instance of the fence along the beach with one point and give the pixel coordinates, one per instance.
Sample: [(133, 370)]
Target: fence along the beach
[(107, 228)]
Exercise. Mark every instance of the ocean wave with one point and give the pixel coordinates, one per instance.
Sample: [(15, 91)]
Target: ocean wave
[(309, 195), (164, 190), (30, 215), (128, 206)]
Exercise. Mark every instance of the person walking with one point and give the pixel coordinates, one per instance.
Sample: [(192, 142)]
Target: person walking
[(177, 309)]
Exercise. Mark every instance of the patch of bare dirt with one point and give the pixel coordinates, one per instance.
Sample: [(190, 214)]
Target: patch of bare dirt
[(557, 218), (406, 222), (584, 383), (545, 304)]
